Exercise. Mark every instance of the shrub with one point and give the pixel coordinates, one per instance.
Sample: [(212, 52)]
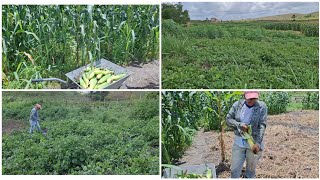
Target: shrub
[(311, 101), (277, 102), (145, 109)]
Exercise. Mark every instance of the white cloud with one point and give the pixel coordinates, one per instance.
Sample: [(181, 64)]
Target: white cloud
[(243, 10)]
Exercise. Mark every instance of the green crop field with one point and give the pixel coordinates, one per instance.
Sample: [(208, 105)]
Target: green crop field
[(101, 133), (254, 54), (50, 41)]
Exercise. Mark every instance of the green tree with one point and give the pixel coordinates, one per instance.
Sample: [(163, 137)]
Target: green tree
[(98, 95), (175, 12)]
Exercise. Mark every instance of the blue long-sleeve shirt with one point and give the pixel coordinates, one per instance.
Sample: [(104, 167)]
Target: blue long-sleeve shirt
[(34, 115)]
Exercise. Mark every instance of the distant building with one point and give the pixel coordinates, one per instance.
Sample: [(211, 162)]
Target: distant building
[(215, 19)]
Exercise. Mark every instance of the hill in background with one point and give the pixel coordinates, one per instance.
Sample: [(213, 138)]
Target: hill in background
[(285, 17)]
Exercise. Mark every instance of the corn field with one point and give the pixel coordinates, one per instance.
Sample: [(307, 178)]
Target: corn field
[(184, 112), (307, 29), (179, 122), (49, 41)]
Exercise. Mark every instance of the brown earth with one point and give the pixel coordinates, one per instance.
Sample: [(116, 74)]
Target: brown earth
[(291, 147), (144, 76), (8, 126)]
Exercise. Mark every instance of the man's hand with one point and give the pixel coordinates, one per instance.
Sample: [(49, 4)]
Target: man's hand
[(244, 128), (255, 148)]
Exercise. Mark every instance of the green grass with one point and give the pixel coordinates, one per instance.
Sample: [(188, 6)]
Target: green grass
[(296, 101), (237, 55), (294, 106), (85, 136)]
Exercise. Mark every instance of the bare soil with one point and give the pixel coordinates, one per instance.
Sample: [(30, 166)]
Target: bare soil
[(144, 76), (291, 147), (9, 126)]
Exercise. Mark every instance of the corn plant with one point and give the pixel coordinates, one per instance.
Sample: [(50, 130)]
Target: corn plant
[(307, 29), (180, 117), (217, 106), (182, 114), (64, 37)]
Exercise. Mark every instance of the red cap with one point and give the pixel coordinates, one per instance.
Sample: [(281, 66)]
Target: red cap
[(38, 106), (251, 94)]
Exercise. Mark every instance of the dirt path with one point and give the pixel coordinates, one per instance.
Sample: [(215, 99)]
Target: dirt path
[(8, 126), (292, 147), (145, 76), (200, 151)]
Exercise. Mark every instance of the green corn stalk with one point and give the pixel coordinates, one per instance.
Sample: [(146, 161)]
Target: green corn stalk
[(69, 36)]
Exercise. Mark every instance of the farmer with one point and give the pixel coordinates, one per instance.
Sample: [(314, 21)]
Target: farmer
[(245, 112), (34, 118)]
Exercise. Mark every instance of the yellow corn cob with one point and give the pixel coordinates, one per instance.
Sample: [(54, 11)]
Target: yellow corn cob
[(247, 136)]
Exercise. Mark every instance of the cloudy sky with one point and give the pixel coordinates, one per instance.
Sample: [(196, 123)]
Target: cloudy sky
[(245, 10)]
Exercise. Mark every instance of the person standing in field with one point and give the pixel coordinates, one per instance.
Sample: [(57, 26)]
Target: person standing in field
[(243, 114), (34, 119)]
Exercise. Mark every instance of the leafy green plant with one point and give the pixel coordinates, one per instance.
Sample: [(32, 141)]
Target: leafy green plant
[(78, 142), (218, 105), (184, 174), (239, 55), (311, 101), (277, 102), (141, 112)]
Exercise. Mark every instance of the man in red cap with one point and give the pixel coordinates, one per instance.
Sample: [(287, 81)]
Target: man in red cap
[(245, 113), (34, 119)]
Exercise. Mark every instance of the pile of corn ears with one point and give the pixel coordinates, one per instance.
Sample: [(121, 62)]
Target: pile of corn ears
[(98, 78)]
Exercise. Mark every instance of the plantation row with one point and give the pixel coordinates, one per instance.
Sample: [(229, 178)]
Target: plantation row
[(306, 28), (248, 30), (119, 137), (237, 55), (183, 113), (49, 41)]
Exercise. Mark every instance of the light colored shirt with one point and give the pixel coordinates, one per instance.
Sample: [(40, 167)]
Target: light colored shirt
[(245, 117)]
